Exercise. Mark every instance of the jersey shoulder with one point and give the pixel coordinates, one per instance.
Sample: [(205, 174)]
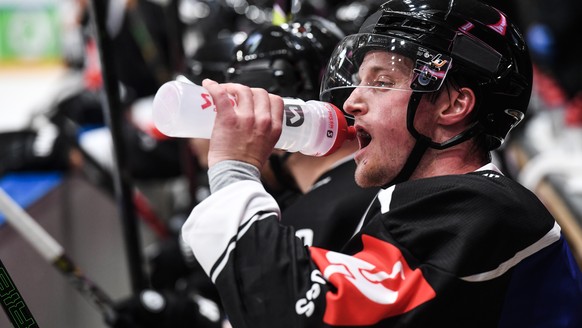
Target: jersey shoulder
[(462, 223)]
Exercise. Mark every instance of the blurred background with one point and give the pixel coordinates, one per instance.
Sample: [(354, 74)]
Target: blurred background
[(79, 152)]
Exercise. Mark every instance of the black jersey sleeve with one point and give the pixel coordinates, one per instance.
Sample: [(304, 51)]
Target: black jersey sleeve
[(262, 271)]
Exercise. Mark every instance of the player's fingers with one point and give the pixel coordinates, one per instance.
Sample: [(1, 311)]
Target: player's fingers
[(277, 109), (262, 109), (243, 97), (220, 97)]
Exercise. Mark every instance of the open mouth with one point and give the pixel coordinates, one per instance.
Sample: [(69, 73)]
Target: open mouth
[(364, 138)]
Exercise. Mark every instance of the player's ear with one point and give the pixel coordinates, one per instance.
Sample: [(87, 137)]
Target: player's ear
[(459, 106)]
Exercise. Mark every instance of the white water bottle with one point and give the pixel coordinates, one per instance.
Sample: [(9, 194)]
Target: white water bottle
[(186, 110)]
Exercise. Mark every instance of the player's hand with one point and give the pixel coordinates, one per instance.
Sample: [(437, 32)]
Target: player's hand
[(248, 130)]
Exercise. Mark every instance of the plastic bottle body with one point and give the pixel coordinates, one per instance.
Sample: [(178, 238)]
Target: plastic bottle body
[(186, 110), (309, 127), (183, 110)]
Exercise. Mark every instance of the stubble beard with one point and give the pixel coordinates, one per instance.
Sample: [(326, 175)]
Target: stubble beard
[(368, 176)]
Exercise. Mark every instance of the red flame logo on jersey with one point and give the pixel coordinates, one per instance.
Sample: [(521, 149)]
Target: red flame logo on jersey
[(372, 285)]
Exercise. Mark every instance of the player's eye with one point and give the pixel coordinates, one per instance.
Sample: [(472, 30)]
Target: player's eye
[(382, 82)]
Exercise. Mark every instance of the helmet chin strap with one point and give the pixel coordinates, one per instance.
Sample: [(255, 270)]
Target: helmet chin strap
[(420, 147), (423, 142)]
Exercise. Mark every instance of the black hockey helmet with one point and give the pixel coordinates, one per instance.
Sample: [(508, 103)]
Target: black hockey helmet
[(462, 39), (287, 59), (213, 58)]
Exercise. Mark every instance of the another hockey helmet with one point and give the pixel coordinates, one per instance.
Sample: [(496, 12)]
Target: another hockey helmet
[(212, 59), (287, 60), (464, 39)]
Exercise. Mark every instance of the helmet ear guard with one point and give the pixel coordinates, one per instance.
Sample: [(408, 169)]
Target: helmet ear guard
[(504, 81)]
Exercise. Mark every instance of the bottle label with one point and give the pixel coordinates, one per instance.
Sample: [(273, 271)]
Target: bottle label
[(331, 121), (327, 129), (294, 115), (206, 102)]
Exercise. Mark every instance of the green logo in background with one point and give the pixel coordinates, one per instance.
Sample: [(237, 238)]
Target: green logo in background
[(29, 34)]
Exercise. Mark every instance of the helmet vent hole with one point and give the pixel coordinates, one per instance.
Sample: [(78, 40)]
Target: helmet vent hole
[(404, 24), (418, 25)]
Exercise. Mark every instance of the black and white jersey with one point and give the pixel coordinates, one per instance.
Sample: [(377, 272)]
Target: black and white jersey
[(471, 250), (328, 214)]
